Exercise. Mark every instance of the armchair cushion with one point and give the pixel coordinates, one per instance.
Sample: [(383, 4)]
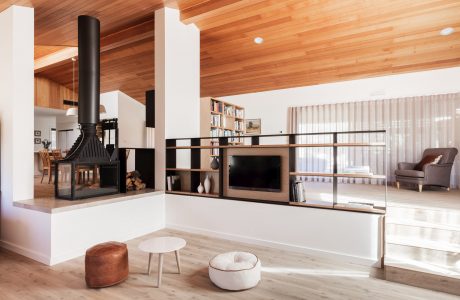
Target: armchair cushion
[(406, 166), (428, 160), (410, 173)]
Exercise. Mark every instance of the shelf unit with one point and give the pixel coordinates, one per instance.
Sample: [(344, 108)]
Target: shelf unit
[(220, 119), (195, 174)]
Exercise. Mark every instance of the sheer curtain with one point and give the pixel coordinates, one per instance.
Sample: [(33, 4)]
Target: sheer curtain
[(412, 123)]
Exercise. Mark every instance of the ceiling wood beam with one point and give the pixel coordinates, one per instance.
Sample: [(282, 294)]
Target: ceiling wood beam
[(134, 34), (131, 35), (56, 57), (193, 11)]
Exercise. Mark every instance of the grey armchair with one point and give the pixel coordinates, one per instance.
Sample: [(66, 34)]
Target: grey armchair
[(432, 174)]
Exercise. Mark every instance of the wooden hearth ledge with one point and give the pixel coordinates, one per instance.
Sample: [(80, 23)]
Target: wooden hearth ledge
[(52, 205)]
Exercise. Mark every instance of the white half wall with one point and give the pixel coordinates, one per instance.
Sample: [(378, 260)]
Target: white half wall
[(342, 235), (73, 232), (272, 106)]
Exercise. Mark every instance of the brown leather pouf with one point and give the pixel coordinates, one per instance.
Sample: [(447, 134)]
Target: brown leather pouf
[(106, 264)]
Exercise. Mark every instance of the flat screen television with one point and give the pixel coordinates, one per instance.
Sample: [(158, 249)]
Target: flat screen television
[(255, 173)]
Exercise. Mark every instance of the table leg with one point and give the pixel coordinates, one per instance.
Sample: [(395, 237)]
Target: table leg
[(177, 260), (160, 268), (149, 267)]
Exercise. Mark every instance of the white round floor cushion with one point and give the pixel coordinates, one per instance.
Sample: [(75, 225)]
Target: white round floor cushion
[(235, 271)]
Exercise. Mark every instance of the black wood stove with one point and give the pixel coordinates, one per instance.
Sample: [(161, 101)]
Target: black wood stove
[(89, 169)]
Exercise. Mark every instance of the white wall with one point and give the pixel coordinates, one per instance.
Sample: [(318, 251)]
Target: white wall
[(110, 101), (131, 118), (343, 235), (44, 124), (271, 106), (131, 122)]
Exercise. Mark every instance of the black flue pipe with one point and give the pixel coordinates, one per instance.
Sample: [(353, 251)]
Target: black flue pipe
[(88, 70)]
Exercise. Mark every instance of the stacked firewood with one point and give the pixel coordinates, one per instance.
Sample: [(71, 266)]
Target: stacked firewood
[(134, 181)]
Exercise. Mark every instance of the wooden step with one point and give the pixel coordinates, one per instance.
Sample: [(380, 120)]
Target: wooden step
[(421, 255), (416, 276), (430, 215), (423, 231), (424, 243)]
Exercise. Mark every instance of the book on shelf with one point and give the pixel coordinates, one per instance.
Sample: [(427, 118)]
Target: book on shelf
[(173, 183), (216, 106), (229, 110), (239, 125), (215, 120), (239, 113), (216, 132)]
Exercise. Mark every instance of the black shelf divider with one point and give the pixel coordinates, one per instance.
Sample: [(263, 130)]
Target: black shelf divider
[(195, 163), (292, 165), (334, 168), (223, 141)]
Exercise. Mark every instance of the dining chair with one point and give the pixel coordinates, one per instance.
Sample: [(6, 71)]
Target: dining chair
[(47, 166)]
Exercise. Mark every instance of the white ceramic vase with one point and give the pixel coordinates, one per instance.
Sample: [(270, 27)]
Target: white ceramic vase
[(200, 188), (207, 184)]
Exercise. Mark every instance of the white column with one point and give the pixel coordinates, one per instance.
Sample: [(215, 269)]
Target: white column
[(17, 102), (177, 83), (17, 125)]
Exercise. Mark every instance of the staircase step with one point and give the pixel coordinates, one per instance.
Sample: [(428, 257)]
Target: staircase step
[(409, 222), (422, 243), (447, 217), (422, 255), (422, 277), (425, 231), (422, 267)]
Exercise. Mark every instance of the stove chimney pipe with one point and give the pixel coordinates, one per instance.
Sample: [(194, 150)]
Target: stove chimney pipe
[(88, 70)]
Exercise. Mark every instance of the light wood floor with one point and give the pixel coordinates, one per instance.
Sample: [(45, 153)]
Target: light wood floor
[(286, 275)]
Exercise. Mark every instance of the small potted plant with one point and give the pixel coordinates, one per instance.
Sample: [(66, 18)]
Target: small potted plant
[(46, 144)]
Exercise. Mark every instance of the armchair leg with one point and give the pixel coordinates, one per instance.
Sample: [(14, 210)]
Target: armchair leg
[(420, 187), (397, 185), (448, 189)]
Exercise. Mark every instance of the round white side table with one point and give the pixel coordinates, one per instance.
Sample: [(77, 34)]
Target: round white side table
[(160, 246)]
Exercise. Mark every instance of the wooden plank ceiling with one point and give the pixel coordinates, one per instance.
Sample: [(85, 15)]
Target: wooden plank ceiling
[(305, 42)]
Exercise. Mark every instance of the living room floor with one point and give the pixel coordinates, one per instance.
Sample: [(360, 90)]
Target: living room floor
[(285, 275)]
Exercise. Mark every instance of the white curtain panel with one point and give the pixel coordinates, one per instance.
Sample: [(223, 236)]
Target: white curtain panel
[(412, 124)]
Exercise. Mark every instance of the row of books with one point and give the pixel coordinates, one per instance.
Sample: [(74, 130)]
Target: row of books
[(216, 132), (173, 183), (239, 125), (216, 106), (298, 191), (239, 113), (215, 120)]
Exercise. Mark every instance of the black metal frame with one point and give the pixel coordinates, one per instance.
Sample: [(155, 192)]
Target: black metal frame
[(73, 175), (255, 140)]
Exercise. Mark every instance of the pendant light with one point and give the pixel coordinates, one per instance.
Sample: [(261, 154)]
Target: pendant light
[(72, 111)]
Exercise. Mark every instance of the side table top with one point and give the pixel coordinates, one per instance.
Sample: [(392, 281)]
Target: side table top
[(162, 244)]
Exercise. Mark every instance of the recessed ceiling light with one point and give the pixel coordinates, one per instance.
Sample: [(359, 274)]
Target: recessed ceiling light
[(447, 31), (258, 40)]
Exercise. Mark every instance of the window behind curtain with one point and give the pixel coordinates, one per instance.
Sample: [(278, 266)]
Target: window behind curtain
[(412, 123)]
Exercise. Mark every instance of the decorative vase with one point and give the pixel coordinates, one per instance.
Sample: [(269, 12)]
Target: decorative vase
[(200, 188), (207, 184), (215, 163)]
